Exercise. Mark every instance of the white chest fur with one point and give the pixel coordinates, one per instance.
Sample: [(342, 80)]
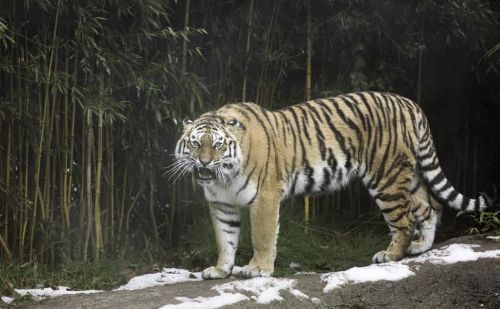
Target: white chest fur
[(240, 192)]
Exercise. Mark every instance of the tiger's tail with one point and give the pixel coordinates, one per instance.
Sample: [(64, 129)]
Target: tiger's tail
[(438, 184)]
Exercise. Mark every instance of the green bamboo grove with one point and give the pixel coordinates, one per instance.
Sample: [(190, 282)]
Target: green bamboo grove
[(92, 92), (77, 77)]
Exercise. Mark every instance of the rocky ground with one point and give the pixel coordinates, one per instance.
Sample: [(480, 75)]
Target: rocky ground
[(461, 285)]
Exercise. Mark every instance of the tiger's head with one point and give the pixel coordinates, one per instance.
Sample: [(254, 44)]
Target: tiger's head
[(208, 148)]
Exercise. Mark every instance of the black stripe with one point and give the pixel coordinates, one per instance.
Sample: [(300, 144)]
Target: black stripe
[(294, 183), (242, 111), (283, 129), (348, 121), (265, 113), (231, 223), (356, 111), (325, 106), (389, 197), (294, 137), (247, 181), (391, 209), (437, 179), (304, 125), (465, 202), (327, 178), (309, 171), (257, 190), (338, 136), (446, 186), (227, 212), (268, 145), (453, 196), (319, 133), (398, 217), (313, 109)]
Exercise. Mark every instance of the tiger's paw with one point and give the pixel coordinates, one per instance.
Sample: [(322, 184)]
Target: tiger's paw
[(418, 246), (385, 256), (252, 271), (213, 272)]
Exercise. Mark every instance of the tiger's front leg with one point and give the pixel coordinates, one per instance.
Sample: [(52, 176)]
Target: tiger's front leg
[(226, 222), (264, 215)]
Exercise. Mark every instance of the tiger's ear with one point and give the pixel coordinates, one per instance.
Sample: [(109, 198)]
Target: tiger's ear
[(187, 123)]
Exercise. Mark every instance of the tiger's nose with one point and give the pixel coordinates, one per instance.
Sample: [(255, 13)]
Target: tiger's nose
[(205, 162)]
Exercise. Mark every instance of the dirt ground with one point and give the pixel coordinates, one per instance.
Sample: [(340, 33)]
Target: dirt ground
[(460, 285)]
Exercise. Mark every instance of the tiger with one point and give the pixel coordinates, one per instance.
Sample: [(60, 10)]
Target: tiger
[(245, 156)]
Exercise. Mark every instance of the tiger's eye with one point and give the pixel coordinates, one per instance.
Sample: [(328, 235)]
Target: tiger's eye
[(232, 122), (218, 145), (195, 144)]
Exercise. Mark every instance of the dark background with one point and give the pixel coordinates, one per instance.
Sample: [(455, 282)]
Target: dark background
[(92, 92)]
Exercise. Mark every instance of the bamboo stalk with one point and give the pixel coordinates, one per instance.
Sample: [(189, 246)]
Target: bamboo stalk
[(24, 221), (111, 184), (72, 142), (41, 141), (7, 183), (474, 166), (7, 203), (420, 59), (6, 249), (152, 212), (124, 196), (185, 41), (65, 192), (82, 200), (97, 205), (88, 184), (132, 205), (247, 51), (50, 154)]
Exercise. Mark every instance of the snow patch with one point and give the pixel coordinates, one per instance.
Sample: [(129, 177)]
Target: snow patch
[(394, 271), (495, 238), (39, 294), (374, 272), (299, 294), (218, 301), (453, 253), (166, 276), (316, 300), (264, 290), (7, 299)]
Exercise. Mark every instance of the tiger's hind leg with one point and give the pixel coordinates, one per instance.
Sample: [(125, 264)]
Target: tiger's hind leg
[(392, 194), (427, 213)]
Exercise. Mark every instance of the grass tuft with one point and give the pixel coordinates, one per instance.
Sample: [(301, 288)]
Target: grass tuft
[(486, 222), (105, 274)]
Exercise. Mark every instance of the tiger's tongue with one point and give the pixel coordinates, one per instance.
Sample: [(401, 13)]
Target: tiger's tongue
[(205, 173)]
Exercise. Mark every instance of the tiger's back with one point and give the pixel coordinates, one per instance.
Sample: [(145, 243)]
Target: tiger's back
[(318, 146)]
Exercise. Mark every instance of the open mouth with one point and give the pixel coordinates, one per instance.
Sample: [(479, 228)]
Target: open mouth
[(203, 173)]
